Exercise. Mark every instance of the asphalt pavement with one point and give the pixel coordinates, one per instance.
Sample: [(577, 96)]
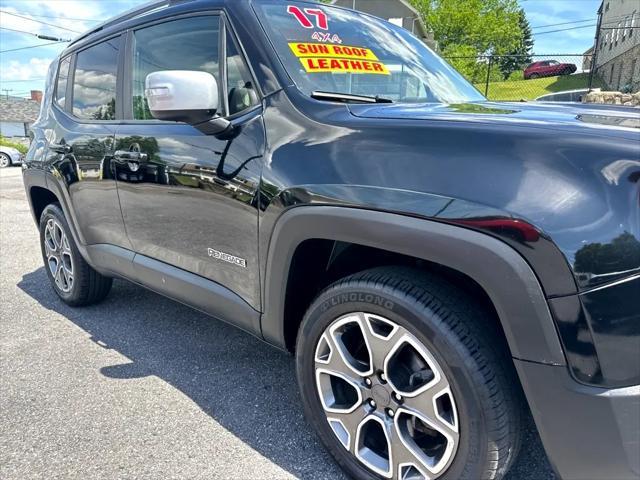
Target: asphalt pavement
[(143, 387)]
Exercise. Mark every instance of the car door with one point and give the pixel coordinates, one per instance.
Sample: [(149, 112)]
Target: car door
[(547, 69), (81, 143), (189, 199), (541, 68)]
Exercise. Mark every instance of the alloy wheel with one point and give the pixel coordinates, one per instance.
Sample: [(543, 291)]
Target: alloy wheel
[(386, 398), (59, 255), (5, 161)]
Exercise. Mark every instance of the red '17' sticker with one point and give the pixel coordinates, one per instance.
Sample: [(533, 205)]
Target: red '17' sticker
[(321, 19)]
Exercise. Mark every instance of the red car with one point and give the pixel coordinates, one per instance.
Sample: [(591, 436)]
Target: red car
[(548, 68)]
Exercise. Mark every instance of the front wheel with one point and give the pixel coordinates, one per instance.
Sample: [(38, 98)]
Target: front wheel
[(401, 378)]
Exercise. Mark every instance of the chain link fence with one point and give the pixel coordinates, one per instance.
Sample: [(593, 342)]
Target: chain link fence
[(520, 77)]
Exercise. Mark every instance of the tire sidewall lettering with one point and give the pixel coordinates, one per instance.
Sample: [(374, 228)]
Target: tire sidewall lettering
[(359, 297)]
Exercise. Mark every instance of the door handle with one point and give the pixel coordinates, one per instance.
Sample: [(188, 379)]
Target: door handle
[(130, 156), (131, 159), (60, 147)]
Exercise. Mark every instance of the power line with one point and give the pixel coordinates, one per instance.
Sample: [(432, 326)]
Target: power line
[(65, 18), (23, 80), (38, 35), (30, 46), (612, 19), (14, 30), (565, 29), (39, 21), (565, 23)]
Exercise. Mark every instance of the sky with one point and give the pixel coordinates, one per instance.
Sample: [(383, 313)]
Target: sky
[(24, 70)]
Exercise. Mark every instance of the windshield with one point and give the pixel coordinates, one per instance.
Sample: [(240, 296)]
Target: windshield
[(331, 49)]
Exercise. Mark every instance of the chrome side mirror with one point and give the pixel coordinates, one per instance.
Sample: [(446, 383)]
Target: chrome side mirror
[(185, 96)]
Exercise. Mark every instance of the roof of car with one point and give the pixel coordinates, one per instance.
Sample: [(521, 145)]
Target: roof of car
[(132, 13)]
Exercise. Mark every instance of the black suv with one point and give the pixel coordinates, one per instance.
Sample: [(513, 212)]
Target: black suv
[(440, 265)]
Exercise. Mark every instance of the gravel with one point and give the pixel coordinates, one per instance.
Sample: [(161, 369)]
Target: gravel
[(143, 387)]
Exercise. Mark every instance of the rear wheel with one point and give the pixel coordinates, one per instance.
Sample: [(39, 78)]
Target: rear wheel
[(401, 379), (72, 278), (5, 160)]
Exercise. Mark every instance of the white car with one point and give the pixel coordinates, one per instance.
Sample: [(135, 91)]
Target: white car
[(9, 156)]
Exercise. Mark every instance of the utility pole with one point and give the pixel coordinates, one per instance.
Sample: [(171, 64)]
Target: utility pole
[(6, 92), (486, 88), (596, 47)]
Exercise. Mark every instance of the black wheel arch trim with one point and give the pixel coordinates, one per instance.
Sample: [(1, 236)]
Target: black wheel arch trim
[(47, 180), (506, 277), (31, 178)]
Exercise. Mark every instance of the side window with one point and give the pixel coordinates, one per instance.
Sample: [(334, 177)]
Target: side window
[(94, 81), (186, 44), (61, 84), (241, 90)]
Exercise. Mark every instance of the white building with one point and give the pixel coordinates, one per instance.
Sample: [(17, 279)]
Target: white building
[(617, 58)]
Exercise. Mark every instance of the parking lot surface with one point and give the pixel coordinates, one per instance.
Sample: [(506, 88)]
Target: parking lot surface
[(143, 387)]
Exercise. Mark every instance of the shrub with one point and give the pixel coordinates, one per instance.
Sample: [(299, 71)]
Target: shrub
[(18, 146)]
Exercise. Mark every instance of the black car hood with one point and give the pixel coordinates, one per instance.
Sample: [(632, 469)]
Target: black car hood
[(614, 120), (573, 171)]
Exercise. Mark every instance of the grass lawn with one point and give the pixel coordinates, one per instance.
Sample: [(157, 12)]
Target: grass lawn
[(532, 89)]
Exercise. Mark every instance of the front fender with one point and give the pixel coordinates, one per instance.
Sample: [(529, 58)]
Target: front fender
[(506, 277)]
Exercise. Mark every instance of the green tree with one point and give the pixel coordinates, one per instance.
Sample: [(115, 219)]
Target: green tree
[(472, 28), (521, 55), (621, 254)]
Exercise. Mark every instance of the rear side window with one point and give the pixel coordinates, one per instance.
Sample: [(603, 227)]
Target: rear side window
[(94, 82), (61, 84), (186, 44)]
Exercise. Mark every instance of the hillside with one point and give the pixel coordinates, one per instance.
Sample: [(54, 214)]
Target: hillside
[(531, 89)]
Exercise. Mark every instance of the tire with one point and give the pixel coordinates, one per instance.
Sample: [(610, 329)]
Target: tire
[(533, 76), (5, 160), (412, 319), (72, 278)]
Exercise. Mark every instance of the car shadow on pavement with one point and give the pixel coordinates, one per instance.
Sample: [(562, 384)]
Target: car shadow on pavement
[(243, 384)]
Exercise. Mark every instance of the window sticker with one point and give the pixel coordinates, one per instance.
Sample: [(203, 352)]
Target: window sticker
[(323, 58), (301, 49), (321, 19), (343, 65), (326, 37)]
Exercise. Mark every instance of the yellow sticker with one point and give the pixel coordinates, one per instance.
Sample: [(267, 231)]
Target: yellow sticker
[(343, 65), (302, 50)]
